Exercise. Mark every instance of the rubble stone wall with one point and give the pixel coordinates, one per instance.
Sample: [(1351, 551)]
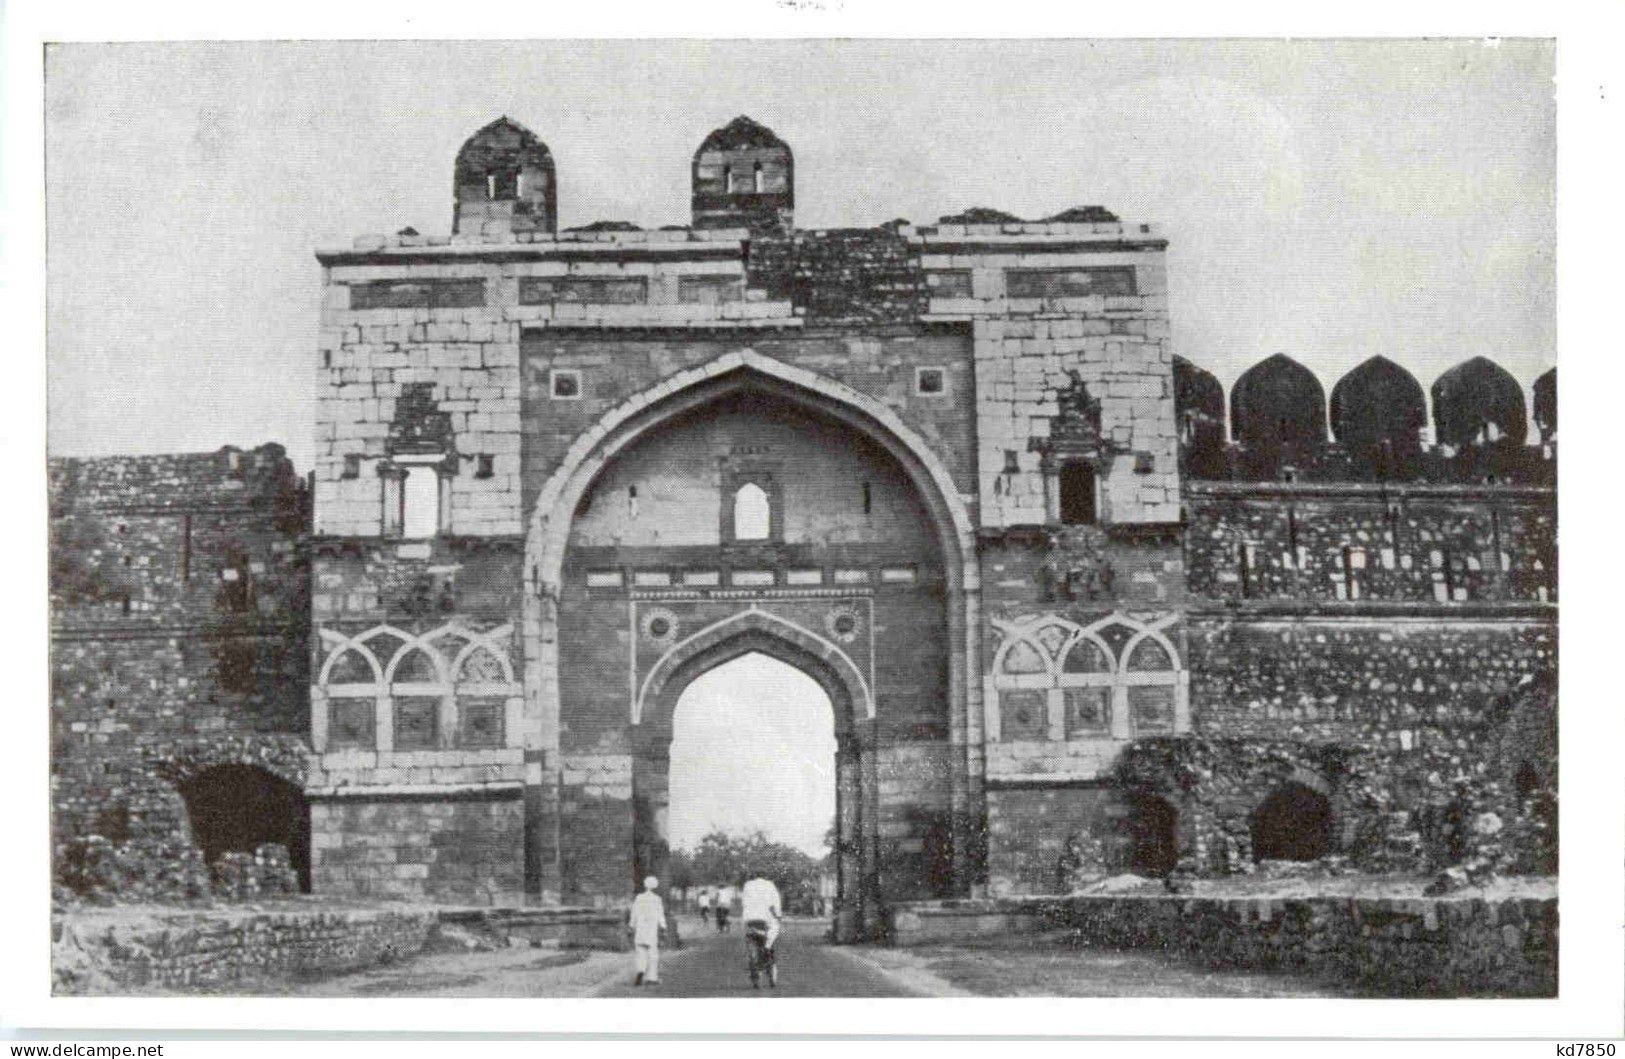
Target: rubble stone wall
[(94, 953), (1348, 542), (1383, 683), (180, 604), (1464, 946)]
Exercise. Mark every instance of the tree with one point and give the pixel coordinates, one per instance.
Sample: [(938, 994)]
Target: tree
[(721, 859)]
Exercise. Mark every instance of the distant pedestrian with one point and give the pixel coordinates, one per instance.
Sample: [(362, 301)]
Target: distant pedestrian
[(725, 902), (647, 921)]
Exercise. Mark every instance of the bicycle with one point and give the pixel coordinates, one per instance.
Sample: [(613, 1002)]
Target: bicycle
[(760, 957)]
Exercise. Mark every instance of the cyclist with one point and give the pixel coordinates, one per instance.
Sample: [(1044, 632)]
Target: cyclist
[(761, 910)]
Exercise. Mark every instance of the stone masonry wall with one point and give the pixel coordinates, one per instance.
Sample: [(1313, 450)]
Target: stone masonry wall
[(452, 849), (1466, 946), (180, 601), (1048, 300), (1441, 544), (1385, 683), (96, 953)]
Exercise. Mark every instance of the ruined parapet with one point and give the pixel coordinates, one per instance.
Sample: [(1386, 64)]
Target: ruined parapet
[(744, 177), (504, 184)]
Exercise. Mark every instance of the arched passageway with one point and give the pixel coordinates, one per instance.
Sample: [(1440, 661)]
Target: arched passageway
[(858, 582), (734, 763), (1293, 823), (1152, 827), (235, 808), (753, 750)]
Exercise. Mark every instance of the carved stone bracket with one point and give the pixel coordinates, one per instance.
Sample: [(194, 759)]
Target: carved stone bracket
[(1075, 431)]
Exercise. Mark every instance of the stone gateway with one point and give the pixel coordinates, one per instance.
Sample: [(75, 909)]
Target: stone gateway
[(954, 473)]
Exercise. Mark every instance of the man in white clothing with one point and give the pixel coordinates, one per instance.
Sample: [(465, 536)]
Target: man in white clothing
[(647, 922), (759, 901)]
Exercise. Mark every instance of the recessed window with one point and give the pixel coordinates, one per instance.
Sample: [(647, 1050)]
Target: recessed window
[(701, 578), (1077, 493), (804, 577), (851, 577), (757, 175), (482, 724), (420, 502), (603, 579), (417, 724), (752, 514), (485, 466), (897, 575), (751, 578), (352, 467), (565, 384), (350, 723), (930, 382), (652, 579)]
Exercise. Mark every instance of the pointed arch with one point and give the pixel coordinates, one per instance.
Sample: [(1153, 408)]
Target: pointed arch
[(548, 531), (756, 630), (752, 513), (340, 647), (1278, 401), (1478, 401), (1378, 411), (341, 668), (431, 666)]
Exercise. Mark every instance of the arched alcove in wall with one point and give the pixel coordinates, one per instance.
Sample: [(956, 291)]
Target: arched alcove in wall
[(234, 808), (1293, 823)]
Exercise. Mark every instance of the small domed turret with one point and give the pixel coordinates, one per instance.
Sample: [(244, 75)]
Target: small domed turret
[(744, 177), (504, 182)]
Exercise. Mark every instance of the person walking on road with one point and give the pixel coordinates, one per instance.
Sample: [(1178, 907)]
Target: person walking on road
[(761, 911), (725, 900), (647, 921)]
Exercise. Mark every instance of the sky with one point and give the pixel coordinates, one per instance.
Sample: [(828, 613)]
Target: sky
[(1330, 200), (753, 748)]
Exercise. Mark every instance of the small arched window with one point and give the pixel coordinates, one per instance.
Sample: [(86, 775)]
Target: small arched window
[(757, 176), (728, 178), (752, 514), (420, 503), (1077, 493)]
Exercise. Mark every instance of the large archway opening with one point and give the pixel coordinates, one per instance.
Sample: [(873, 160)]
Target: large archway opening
[(750, 731), (1293, 823), (238, 808), (649, 574), (752, 780)]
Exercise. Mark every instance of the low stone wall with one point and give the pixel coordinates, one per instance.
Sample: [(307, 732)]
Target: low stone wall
[(1445, 946), (126, 950), (565, 928), (116, 950)]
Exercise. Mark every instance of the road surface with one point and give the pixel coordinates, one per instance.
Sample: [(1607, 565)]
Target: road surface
[(713, 965)]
